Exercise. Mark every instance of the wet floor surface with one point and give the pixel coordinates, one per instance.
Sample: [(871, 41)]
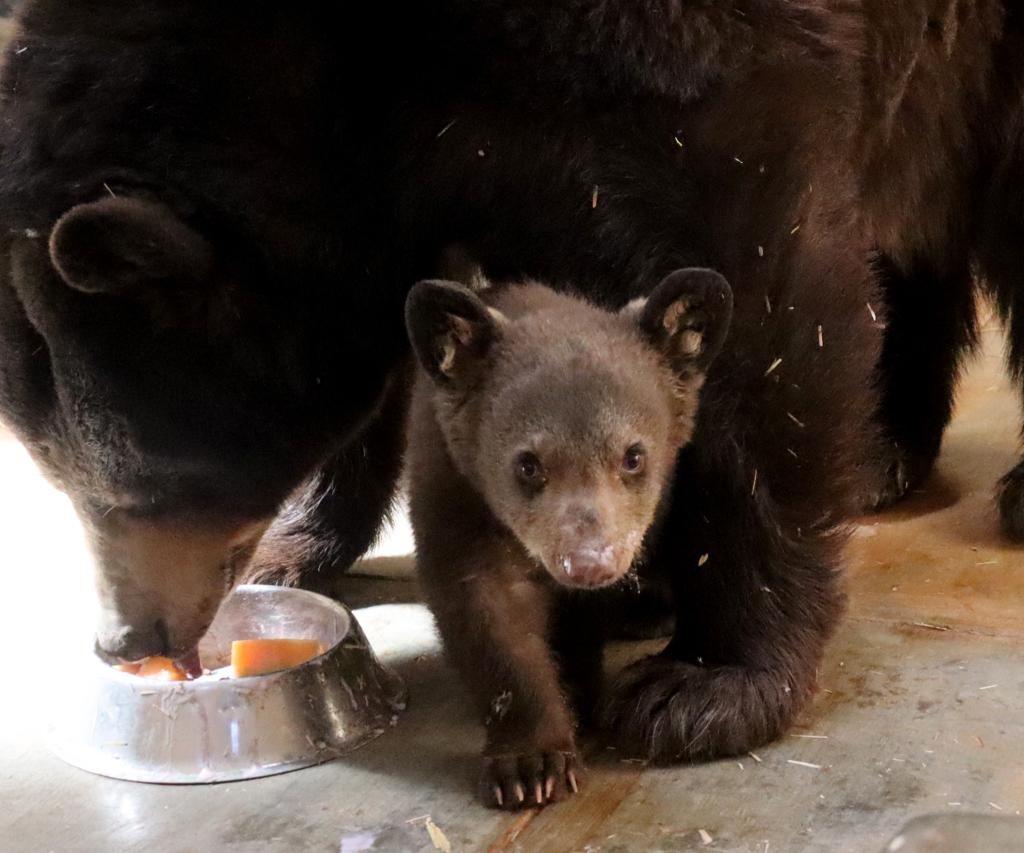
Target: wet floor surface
[(921, 712)]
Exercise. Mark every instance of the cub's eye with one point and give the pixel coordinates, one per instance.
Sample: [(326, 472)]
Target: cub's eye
[(529, 470), (635, 459)]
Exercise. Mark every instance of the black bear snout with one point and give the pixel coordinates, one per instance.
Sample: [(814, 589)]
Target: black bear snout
[(131, 643)]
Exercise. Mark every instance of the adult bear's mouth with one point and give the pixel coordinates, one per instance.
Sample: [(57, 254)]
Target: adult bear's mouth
[(190, 664), (160, 583)]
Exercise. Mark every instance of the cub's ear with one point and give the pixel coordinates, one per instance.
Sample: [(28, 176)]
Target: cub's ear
[(451, 330), (686, 317), (120, 245)]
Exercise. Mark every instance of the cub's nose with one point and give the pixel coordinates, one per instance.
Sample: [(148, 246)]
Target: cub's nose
[(127, 643), (590, 566)]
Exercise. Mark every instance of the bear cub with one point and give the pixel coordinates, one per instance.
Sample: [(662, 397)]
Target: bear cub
[(542, 441)]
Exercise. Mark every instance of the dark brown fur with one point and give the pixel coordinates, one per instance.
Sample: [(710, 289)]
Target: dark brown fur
[(599, 405)]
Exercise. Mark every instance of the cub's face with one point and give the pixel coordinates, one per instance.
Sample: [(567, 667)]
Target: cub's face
[(575, 461), (568, 419)]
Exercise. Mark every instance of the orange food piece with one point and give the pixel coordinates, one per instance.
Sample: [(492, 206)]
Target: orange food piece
[(258, 657), (155, 667), (160, 668)]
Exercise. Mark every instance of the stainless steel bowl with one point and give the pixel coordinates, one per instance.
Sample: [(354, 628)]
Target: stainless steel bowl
[(119, 725)]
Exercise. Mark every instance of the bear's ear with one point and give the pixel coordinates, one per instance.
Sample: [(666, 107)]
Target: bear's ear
[(119, 245), (686, 317), (451, 330)]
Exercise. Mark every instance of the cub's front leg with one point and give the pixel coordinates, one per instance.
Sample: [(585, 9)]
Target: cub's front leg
[(494, 619)]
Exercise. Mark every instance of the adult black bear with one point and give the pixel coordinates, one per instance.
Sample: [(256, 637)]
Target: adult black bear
[(184, 238), (214, 215)]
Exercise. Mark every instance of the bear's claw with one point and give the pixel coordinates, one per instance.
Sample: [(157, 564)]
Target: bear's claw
[(529, 779)]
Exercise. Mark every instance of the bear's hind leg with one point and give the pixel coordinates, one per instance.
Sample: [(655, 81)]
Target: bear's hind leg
[(930, 326)]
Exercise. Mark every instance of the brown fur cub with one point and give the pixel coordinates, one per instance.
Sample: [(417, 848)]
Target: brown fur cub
[(543, 437)]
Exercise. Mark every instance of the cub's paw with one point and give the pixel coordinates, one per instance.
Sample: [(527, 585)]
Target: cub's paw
[(529, 779), (669, 711)]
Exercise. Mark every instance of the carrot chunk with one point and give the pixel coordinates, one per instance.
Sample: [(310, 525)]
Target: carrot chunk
[(258, 657), (160, 668)]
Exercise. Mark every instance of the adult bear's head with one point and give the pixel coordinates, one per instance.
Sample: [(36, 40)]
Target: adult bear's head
[(177, 388)]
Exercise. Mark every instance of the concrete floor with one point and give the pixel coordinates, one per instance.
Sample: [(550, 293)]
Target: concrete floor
[(922, 712)]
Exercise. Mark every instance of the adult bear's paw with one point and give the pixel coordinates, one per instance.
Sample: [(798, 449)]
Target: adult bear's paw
[(670, 711), (1011, 503), (895, 474)]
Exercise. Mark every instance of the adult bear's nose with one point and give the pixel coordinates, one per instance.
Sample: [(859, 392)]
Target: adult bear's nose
[(128, 643)]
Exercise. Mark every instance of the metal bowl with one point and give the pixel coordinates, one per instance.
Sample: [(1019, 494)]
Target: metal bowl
[(208, 730)]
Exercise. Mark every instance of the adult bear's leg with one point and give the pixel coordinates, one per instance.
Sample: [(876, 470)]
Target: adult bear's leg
[(339, 512), (756, 603), (930, 325), (754, 533)]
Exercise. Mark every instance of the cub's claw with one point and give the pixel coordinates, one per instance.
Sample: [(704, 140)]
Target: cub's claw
[(549, 777)]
